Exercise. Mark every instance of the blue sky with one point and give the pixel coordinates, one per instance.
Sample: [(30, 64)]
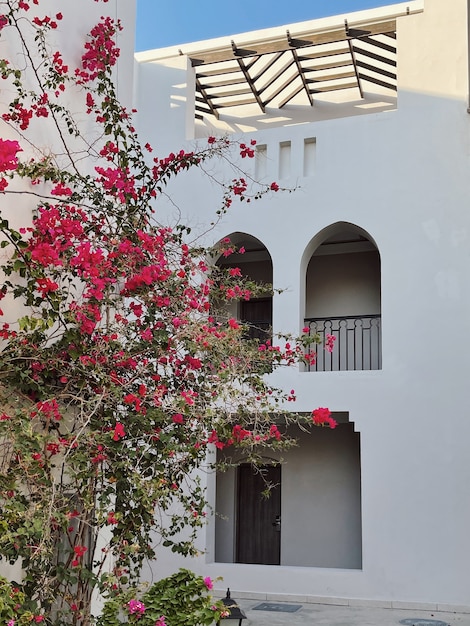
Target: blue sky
[(163, 23)]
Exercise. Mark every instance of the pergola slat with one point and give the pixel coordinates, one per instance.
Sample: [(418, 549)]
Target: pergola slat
[(280, 71), (235, 103), (376, 57), (378, 70), (230, 94), (292, 95), (329, 77), (377, 81), (379, 44), (323, 54), (327, 88), (223, 82), (206, 99), (333, 65), (216, 71), (281, 88)]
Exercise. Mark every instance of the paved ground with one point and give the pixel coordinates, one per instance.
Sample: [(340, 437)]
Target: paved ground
[(329, 615)]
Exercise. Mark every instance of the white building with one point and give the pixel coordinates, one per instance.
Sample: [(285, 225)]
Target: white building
[(367, 113)]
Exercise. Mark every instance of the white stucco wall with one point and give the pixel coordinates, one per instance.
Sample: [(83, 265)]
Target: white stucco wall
[(402, 176)]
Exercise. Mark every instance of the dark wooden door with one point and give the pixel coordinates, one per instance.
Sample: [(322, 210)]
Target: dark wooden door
[(258, 516), (258, 314)]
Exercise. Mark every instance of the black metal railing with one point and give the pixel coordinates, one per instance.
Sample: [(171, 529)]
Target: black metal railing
[(357, 345)]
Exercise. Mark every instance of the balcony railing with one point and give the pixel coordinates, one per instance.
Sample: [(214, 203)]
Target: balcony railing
[(357, 346)]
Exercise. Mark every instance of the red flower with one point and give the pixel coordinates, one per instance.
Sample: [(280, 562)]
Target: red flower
[(330, 342), (112, 519), (245, 151), (119, 432), (8, 158), (322, 417), (46, 285), (61, 190)]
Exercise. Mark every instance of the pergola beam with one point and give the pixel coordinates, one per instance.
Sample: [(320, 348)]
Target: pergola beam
[(281, 45)]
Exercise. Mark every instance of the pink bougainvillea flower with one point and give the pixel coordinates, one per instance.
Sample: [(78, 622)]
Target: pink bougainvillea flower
[(119, 432), (45, 286), (330, 342), (45, 254), (178, 418), (112, 519), (61, 190), (246, 151), (208, 582), (8, 158), (322, 417), (79, 552), (136, 607), (160, 621)]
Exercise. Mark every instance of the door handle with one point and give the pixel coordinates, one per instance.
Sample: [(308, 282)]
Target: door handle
[(277, 523)]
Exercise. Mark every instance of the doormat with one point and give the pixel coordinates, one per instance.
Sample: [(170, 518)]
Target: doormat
[(422, 622), (279, 608)]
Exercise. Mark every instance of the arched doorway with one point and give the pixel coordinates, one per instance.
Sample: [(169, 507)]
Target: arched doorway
[(343, 298), (254, 261)]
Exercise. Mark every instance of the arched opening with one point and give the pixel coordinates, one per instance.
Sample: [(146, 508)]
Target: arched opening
[(343, 299), (255, 264)]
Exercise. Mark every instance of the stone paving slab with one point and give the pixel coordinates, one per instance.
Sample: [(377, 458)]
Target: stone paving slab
[(331, 615)]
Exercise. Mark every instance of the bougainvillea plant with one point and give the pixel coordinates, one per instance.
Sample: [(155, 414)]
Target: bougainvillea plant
[(117, 373)]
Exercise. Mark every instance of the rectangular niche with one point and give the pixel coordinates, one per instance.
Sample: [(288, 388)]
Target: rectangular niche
[(310, 156), (284, 159), (261, 166)]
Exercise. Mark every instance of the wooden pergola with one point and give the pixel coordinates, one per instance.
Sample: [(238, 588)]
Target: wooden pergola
[(272, 73)]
